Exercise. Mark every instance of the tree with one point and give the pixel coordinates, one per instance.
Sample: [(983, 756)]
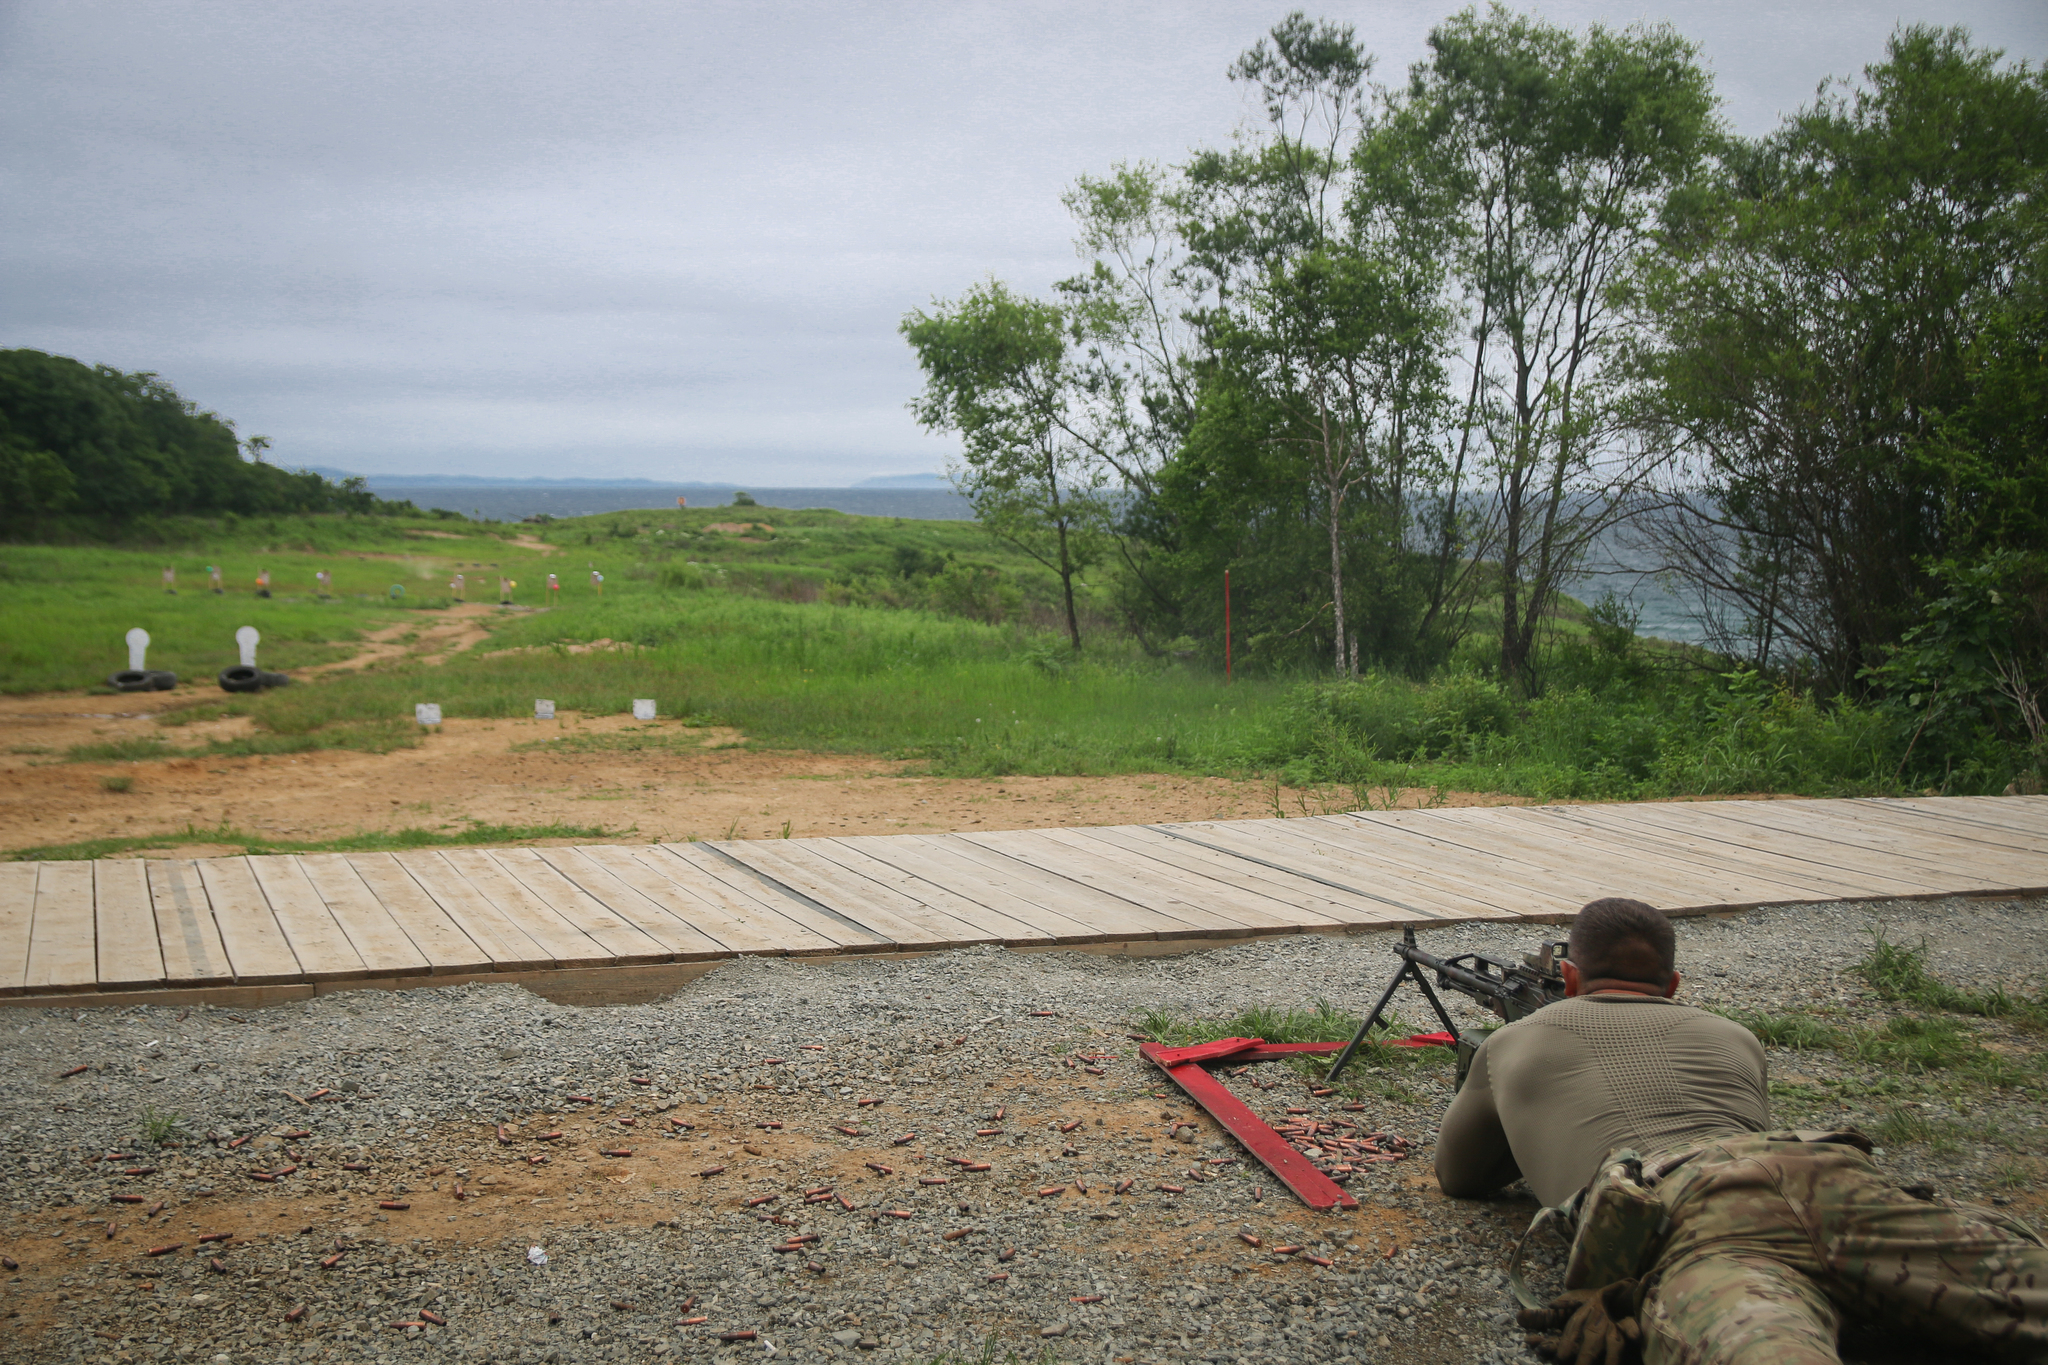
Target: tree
[(997, 372), (93, 441), (1554, 155), (1326, 328), (1830, 359), (33, 483)]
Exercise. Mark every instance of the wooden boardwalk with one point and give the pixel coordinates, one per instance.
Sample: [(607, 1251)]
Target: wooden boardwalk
[(626, 921)]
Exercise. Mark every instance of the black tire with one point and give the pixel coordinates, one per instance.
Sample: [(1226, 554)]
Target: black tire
[(276, 680), (131, 680), (162, 681), (241, 678)]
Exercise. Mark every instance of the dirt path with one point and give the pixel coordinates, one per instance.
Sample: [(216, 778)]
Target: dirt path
[(434, 641)]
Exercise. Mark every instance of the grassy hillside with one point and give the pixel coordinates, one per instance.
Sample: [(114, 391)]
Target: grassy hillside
[(921, 640)]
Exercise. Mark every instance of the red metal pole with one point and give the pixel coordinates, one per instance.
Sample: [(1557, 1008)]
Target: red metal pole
[(1226, 625)]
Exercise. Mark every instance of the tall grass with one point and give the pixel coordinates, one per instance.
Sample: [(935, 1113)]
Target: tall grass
[(862, 645), (65, 612), (967, 697), (1896, 972)]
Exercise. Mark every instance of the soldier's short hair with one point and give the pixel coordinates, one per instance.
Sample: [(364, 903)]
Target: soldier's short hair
[(1617, 939)]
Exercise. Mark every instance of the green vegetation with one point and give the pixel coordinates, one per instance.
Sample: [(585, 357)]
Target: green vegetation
[(158, 1127), (1896, 972), (66, 609), (1400, 360), (1910, 1049), (377, 841), (89, 444), (920, 640), (1796, 1032)]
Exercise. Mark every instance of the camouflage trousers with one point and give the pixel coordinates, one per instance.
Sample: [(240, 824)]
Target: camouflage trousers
[(1773, 1242)]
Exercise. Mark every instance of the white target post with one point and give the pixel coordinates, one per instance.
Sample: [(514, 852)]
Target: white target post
[(247, 639), (543, 709), (138, 647), (426, 713), (643, 708)]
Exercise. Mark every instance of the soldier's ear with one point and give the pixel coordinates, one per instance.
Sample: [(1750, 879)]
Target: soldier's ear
[(1671, 986), (1573, 982)]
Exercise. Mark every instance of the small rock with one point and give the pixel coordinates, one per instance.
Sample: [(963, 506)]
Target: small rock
[(847, 1338), (1056, 1329)]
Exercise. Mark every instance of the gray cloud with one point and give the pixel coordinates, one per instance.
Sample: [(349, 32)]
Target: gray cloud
[(651, 239)]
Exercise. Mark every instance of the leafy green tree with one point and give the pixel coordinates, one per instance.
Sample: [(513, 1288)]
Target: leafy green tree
[(1553, 155), (997, 372), (93, 441), (1333, 331), (33, 483), (1832, 363)]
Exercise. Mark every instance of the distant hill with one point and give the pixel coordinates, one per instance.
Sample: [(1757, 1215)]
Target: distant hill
[(501, 481), (90, 441), (896, 481), (906, 481)]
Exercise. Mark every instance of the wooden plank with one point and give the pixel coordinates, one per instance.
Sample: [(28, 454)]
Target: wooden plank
[(937, 865), (1878, 841), (907, 923), (844, 934), (1679, 842), (17, 918), (1736, 875), (564, 944), (1118, 919), (617, 937), (2024, 817), (1276, 885), (185, 931), (989, 921), (1451, 847), (379, 939), (680, 940), (434, 935), (256, 947), (321, 946), (1869, 873), (125, 926), (1382, 862), (1204, 907), (1518, 889), (1309, 863), (1938, 821), (481, 921), (736, 923), (1598, 869), (61, 956)]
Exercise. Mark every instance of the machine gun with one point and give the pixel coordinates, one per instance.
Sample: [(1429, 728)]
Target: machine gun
[(1512, 990)]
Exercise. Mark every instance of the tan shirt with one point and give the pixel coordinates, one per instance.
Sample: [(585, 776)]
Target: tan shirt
[(1551, 1094)]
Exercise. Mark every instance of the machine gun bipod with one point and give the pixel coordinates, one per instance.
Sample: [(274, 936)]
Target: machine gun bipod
[(1512, 990)]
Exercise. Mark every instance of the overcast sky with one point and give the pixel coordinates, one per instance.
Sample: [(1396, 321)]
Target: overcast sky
[(665, 240)]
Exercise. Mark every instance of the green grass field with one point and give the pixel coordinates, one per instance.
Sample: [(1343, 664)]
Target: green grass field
[(921, 640)]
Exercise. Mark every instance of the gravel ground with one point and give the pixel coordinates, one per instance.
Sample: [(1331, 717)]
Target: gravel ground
[(586, 1184)]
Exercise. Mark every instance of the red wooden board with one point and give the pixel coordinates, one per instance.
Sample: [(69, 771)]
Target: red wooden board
[(1292, 1168)]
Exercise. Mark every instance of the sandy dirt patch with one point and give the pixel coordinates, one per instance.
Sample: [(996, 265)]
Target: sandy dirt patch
[(644, 781)]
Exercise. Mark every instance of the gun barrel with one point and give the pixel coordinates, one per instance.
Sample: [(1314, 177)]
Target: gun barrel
[(1513, 993)]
